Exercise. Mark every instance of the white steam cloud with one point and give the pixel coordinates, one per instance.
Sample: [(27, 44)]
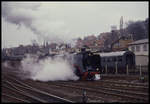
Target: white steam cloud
[(38, 19), (48, 69)]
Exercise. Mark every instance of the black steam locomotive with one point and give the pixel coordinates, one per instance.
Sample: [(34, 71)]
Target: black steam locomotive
[(87, 65)]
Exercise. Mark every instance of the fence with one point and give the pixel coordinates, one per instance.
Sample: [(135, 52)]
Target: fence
[(138, 70)]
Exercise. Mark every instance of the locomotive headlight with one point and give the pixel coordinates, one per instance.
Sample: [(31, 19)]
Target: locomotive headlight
[(97, 77), (97, 69)]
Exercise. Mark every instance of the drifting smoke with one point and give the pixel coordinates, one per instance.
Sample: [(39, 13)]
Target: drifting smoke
[(48, 69), (46, 28), (41, 23)]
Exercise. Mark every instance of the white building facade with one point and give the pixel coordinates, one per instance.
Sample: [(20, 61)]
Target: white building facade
[(141, 51)]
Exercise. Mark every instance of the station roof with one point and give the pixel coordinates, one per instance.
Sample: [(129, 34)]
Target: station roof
[(139, 42), (119, 53)]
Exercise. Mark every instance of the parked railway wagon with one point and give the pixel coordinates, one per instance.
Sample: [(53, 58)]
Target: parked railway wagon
[(120, 60)]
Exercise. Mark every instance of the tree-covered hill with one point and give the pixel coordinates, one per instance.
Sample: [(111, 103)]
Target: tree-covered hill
[(138, 29)]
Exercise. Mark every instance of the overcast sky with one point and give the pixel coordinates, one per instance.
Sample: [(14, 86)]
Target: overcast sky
[(62, 21)]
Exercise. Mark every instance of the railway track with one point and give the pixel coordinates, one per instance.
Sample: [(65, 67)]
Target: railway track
[(77, 93), (126, 83), (115, 93), (32, 93), (92, 97), (15, 98), (131, 97), (119, 86), (111, 87), (123, 95), (25, 95), (17, 93)]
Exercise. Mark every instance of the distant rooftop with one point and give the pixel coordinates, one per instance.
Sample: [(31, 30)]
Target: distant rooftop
[(139, 42)]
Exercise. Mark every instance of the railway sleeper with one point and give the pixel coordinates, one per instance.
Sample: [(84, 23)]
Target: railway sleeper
[(22, 100), (41, 92), (108, 93)]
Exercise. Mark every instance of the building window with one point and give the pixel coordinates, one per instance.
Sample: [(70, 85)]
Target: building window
[(132, 48), (137, 48), (145, 47)]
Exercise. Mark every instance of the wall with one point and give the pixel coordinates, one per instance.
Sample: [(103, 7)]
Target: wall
[(141, 56), (143, 60)]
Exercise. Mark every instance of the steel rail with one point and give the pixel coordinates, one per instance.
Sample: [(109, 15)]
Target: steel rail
[(127, 83), (117, 86), (42, 92), (95, 97), (102, 99), (108, 93), (125, 86), (113, 89), (26, 101), (51, 96), (24, 93)]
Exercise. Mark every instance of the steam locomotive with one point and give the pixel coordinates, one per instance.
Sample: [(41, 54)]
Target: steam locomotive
[(87, 65)]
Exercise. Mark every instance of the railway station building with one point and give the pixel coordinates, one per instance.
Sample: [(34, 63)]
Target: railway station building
[(141, 50)]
